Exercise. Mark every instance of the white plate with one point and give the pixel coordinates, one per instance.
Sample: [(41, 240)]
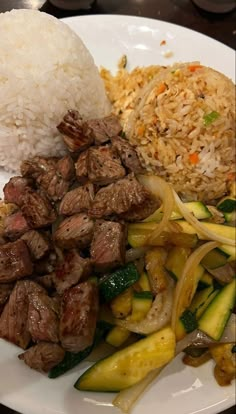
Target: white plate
[(180, 389)]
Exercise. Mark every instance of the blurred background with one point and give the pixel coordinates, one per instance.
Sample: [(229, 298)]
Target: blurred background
[(221, 26)]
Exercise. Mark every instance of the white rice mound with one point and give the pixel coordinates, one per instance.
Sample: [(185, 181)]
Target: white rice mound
[(45, 69)]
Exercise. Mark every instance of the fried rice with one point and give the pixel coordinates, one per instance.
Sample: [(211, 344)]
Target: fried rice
[(181, 119)]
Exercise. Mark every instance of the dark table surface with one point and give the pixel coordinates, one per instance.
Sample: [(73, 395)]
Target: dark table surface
[(183, 12)]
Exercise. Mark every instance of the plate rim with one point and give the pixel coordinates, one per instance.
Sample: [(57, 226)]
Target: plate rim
[(229, 402), (139, 18)]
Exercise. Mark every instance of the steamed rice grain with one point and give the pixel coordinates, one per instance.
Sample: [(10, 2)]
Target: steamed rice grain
[(45, 69)]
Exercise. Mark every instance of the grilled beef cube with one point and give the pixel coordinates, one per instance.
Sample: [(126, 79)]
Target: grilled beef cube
[(72, 270), (51, 175), (15, 262), (118, 198), (5, 290), (37, 243), (46, 265), (65, 168), (43, 356), (81, 167), (15, 226), (43, 322), (127, 154), (74, 231), (33, 167), (53, 185), (108, 245), (103, 129), (77, 200), (73, 129), (141, 211), (14, 189), (104, 166), (46, 281), (37, 210), (14, 318), (78, 316)]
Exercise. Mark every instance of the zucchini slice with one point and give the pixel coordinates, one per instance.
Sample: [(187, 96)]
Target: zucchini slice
[(216, 315), (227, 205), (129, 365), (117, 336), (199, 210), (141, 304), (205, 281), (202, 299), (176, 260), (220, 229), (115, 283), (215, 258)]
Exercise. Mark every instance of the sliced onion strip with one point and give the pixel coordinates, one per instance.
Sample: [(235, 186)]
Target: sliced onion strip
[(189, 217), (199, 339), (126, 398), (187, 284), (161, 190), (158, 316)]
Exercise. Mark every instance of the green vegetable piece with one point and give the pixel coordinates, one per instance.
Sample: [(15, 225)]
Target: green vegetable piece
[(228, 205), (215, 258), (122, 134), (189, 321), (72, 359), (208, 119), (233, 350), (117, 282), (143, 295), (216, 315)]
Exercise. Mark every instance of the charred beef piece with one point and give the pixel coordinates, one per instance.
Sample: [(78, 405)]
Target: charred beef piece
[(13, 320), (15, 261), (78, 316), (14, 189), (43, 321), (52, 175), (73, 129), (37, 243), (46, 281), (81, 167), (5, 290), (46, 265), (74, 231), (53, 185), (37, 210), (43, 356), (72, 270), (103, 129), (108, 245), (15, 226), (77, 201), (127, 154), (36, 166), (65, 168), (141, 211), (104, 165), (119, 197), (55, 181)]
